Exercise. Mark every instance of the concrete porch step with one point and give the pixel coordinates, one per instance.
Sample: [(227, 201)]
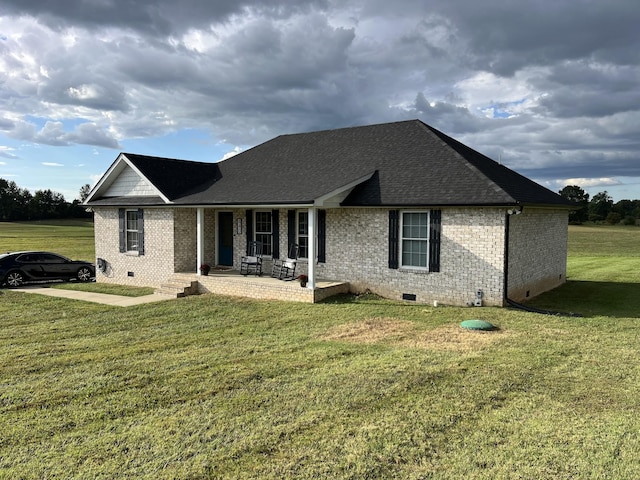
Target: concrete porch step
[(178, 286)]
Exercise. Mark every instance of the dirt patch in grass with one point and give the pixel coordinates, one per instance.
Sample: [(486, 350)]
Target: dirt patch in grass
[(371, 330), (454, 338), (404, 333)]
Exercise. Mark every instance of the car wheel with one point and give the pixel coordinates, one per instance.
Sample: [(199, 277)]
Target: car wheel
[(14, 279), (84, 274)]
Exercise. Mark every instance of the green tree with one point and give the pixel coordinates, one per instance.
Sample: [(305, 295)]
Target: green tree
[(600, 206), (48, 204), (577, 195), (14, 201), (84, 192), (628, 208), (17, 204), (77, 210), (613, 218)]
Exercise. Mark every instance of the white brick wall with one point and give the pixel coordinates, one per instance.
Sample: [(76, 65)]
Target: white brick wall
[(537, 252), (150, 269), (267, 288), (472, 252), (472, 256), (184, 234)]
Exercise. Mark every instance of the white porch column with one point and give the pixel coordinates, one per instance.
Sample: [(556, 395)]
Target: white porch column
[(311, 283), (200, 238)]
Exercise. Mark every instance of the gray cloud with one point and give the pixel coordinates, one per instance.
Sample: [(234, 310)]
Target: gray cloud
[(552, 88), (92, 134), (53, 133), (591, 90), (507, 36), (147, 16)]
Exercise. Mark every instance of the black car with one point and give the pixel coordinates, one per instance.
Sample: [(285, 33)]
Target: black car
[(19, 267)]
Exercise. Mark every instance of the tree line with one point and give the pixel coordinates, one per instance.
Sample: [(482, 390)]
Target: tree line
[(19, 204), (600, 208)]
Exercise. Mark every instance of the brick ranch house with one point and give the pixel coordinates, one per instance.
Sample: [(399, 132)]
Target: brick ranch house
[(400, 209)]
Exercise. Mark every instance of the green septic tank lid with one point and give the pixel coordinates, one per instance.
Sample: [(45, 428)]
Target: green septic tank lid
[(477, 325)]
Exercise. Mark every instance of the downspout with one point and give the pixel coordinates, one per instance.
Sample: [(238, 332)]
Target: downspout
[(506, 299), (505, 283)]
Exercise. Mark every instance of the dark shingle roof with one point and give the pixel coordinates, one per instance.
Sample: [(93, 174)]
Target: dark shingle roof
[(409, 163), (175, 177)]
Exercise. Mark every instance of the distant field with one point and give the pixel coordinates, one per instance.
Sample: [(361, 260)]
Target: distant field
[(603, 273), (604, 253), (604, 241), (71, 238)]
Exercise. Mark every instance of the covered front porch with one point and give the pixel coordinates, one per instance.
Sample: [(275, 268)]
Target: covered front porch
[(276, 226), (230, 282), (222, 236)]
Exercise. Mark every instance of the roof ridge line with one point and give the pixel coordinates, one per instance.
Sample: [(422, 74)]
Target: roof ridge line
[(492, 184), (168, 158)]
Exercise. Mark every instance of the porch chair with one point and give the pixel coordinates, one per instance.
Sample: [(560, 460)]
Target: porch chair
[(252, 261), (285, 269)]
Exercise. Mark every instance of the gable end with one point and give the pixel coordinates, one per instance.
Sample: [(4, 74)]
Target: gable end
[(128, 184)]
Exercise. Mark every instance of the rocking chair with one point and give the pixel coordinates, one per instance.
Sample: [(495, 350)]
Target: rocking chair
[(252, 261), (286, 269)]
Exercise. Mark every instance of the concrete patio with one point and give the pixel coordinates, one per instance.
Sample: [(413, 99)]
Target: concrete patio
[(230, 282)]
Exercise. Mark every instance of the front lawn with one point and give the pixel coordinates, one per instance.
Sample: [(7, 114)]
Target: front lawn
[(358, 387)]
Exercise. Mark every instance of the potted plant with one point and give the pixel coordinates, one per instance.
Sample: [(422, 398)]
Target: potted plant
[(204, 269), (303, 280)]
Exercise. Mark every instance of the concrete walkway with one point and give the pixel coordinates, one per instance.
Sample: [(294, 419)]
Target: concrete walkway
[(106, 299)]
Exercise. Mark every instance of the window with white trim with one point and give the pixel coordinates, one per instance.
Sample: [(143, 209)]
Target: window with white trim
[(414, 241), (131, 230), (303, 234), (263, 231)]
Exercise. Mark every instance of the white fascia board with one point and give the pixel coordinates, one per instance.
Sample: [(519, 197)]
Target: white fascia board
[(335, 197), (247, 206), (107, 178)]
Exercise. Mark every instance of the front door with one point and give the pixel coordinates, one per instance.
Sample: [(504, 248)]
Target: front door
[(225, 238)]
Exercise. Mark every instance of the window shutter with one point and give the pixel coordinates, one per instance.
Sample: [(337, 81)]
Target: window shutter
[(140, 231), (275, 220), (249, 229), (394, 232), (322, 229), (121, 226), (291, 228), (435, 223)]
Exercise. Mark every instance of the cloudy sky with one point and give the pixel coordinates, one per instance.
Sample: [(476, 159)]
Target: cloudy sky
[(549, 87)]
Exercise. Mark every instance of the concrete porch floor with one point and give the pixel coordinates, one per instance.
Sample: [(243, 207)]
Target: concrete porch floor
[(230, 282)]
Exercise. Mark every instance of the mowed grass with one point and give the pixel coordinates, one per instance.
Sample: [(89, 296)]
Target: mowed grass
[(358, 387), (604, 253), (603, 273)]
